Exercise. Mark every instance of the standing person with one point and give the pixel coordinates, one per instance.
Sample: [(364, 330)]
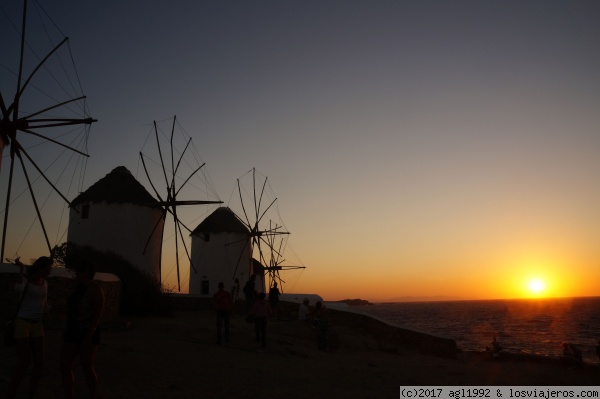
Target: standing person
[(261, 311), (496, 348), (321, 321), (29, 330), (82, 335), (223, 305), (304, 310), (274, 298), (577, 353)]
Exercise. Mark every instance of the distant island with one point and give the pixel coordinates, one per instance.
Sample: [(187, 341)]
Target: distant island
[(354, 302), (364, 302)]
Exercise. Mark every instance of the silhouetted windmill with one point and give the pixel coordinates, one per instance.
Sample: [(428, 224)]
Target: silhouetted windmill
[(174, 184), (46, 116), (268, 235)]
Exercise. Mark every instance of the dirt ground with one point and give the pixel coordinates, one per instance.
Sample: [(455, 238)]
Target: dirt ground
[(176, 357)]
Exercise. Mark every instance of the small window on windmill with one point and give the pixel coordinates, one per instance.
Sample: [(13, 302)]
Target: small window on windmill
[(204, 287), (85, 211)]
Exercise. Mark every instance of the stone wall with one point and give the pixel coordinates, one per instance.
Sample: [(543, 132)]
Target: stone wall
[(389, 337), (380, 335)]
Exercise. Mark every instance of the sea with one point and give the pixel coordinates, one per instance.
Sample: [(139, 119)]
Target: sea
[(531, 326)]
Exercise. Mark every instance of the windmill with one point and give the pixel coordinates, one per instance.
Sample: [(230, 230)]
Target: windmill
[(268, 234), (44, 122), (175, 182)]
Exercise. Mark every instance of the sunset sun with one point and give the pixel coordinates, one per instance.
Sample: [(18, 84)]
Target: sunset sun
[(536, 286)]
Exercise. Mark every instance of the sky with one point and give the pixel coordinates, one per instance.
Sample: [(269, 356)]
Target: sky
[(417, 149)]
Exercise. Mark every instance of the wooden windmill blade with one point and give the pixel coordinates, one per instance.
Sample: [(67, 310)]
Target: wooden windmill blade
[(264, 232), (169, 202), (44, 114), (246, 239)]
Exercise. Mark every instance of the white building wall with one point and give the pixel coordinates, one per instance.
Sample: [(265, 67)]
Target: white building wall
[(215, 261), (122, 229)]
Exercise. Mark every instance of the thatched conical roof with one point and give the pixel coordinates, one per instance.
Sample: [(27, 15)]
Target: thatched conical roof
[(222, 220), (119, 186)]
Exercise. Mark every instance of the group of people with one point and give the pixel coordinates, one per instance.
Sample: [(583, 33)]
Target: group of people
[(318, 318), (257, 306), (81, 336), (571, 353)]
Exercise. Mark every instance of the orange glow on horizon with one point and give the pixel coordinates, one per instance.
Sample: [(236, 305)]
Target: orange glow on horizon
[(503, 277)]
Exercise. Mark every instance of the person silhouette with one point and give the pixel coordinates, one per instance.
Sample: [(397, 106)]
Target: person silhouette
[(304, 310), (320, 319), (250, 293), (496, 347), (32, 288), (85, 306), (274, 298), (261, 311), (223, 305)]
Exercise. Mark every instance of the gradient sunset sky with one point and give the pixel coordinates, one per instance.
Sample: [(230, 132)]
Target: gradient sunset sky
[(417, 148)]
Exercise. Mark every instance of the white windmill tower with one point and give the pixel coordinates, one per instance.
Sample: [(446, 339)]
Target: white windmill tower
[(226, 246), (220, 252), (116, 214)]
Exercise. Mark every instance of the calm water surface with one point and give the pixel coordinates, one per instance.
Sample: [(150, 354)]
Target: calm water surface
[(537, 326)]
